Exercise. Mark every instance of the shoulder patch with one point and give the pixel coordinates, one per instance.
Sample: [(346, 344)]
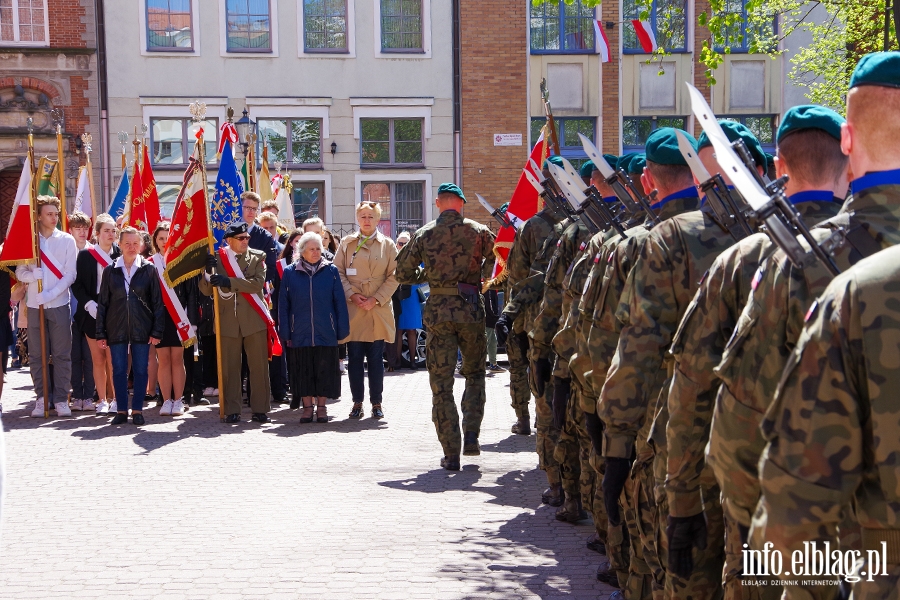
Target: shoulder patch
[(757, 278), (812, 311), (582, 246), (597, 258)]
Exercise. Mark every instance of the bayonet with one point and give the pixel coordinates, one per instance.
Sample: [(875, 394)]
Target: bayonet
[(494, 212), (620, 182)]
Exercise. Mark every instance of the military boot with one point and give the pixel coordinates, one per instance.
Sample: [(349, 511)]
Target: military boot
[(522, 425), (451, 463), (572, 511), (553, 495), (470, 444)]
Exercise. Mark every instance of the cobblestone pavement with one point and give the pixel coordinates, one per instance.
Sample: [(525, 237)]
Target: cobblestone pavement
[(192, 508)]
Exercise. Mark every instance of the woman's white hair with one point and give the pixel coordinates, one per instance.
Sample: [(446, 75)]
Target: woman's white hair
[(305, 239)]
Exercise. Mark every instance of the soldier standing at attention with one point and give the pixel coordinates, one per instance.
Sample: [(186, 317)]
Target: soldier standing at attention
[(452, 250)]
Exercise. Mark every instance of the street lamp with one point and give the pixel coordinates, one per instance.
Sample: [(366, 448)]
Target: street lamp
[(246, 127)]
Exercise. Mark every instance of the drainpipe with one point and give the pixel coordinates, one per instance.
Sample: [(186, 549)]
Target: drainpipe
[(105, 170), (457, 96)]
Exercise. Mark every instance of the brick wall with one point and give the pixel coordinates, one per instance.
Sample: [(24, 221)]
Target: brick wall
[(700, 80), (494, 99), (67, 26), (609, 86)]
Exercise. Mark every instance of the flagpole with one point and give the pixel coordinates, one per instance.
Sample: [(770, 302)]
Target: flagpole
[(251, 166), (86, 140), (198, 110), (45, 368), (61, 172)]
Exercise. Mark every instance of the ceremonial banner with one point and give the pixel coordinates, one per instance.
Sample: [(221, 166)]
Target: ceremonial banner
[(522, 206), (18, 248), (602, 42), (47, 180), (133, 190), (285, 205), (645, 35), (83, 200), (225, 207), (118, 204), (265, 190), (144, 198), (187, 246)]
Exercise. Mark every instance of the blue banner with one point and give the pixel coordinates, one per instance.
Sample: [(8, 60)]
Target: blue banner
[(118, 204), (225, 206)]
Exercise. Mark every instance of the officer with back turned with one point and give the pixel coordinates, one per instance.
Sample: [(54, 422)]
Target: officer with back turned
[(448, 254)]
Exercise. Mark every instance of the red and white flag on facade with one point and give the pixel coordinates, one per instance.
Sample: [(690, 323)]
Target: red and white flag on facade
[(602, 42), (645, 35)]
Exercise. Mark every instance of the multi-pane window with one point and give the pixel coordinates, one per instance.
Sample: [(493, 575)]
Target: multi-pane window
[(23, 21), (567, 130), (172, 140), (739, 33), (401, 26), (762, 126), (391, 141), (169, 25), (557, 27), (668, 20), (248, 26), (325, 25), (292, 141), (636, 130), (402, 205), (307, 200)]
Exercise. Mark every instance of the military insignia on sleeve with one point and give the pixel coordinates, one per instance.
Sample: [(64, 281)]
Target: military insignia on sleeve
[(811, 312), (757, 278), (596, 258), (582, 246), (703, 278)]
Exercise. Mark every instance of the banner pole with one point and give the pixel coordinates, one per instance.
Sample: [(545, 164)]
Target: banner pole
[(45, 368)]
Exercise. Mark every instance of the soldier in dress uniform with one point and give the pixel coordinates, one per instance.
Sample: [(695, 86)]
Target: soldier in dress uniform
[(448, 254)]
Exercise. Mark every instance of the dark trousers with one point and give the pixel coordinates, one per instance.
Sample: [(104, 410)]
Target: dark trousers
[(193, 371), (82, 366), (278, 377), (140, 357), (373, 354), (210, 368)]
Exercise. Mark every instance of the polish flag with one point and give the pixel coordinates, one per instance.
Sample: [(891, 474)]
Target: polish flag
[(644, 32), (18, 248), (602, 41)]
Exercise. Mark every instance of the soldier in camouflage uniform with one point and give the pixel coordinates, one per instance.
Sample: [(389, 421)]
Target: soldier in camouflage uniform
[(832, 433), (809, 154), (452, 250), (666, 274), (769, 326)]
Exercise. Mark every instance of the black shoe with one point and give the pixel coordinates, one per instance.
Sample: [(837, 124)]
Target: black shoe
[(295, 403), (451, 463), (377, 413), (261, 417), (357, 411), (553, 495), (201, 401), (470, 444), (607, 575), (119, 419), (521, 427), (235, 418), (596, 545), (137, 419)]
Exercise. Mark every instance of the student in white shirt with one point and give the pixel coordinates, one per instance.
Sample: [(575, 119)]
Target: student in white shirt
[(57, 272)]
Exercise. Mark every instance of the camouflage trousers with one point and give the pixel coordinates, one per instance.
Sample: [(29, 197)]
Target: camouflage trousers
[(547, 435), (645, 574), (440, 352), (519, 391), (573, 453), (733, 571), (705, 582)]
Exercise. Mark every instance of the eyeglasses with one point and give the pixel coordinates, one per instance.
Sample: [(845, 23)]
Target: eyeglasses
[(242, 238), (251, 208), (401, 244)]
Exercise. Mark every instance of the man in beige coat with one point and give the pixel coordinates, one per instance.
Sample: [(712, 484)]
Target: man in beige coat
[(366, 261)]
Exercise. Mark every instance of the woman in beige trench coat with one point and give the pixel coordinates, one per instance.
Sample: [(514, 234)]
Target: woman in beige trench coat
[(366, 261)]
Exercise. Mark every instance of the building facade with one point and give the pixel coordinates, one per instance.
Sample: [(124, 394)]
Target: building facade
[(48, 60), (353, 97)]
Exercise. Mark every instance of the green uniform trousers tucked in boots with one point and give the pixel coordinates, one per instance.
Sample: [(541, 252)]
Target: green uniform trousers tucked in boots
[(443, 341), (519, 391)]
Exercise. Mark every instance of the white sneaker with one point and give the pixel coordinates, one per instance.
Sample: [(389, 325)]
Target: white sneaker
[(113, 407), (102, 408), (343, 367), (76, 405), (62, 409), (177, 408), (210, 392), (38, 411), (87, 404), (166, 408)]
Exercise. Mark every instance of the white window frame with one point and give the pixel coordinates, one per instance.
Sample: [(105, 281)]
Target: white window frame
[(46, 41), (376, 177), (223, 36), (351, 35), (195, 31), (426, 34), (392, 108)]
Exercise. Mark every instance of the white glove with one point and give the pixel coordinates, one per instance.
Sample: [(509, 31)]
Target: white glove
[(91, 308), (40, 298), (38, 273)]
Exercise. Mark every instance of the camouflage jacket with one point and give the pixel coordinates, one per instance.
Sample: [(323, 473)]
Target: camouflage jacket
[(529, 241), (665, 277), (697, 349), (563, 342), (452, 250), (766, 332), (547, 321), (833, 435)]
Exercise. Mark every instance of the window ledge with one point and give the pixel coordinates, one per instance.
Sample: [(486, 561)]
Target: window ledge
[(181, 101), (380, 167), (288, 101), (396, 101)]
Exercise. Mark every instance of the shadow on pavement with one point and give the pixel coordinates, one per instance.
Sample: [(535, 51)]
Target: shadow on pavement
[(511, 445)]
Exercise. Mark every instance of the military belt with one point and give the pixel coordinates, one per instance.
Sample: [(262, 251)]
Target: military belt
[(444, 291), (872, 539)]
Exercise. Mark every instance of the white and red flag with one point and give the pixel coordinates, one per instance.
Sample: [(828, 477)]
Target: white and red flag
[(645, 35), (602, 42), (18, 247)]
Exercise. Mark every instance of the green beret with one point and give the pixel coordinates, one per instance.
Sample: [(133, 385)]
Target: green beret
[(734, 131), (810, 116), (623, 161), (612, 159), (637, 163), (662, 146), (504, 207), (556, 160), (586, 169), (451, 188), (877, 68), (770, 160)]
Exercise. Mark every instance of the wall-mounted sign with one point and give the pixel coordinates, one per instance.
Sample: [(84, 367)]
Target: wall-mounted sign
[(507, 139)]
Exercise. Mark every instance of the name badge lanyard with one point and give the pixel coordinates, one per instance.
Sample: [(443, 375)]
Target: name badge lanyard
[(361, 243)]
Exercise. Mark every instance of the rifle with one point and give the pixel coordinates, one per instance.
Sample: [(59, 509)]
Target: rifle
[(500, 216), (587, 205), (552, 194), (548, 112), (768, 201)]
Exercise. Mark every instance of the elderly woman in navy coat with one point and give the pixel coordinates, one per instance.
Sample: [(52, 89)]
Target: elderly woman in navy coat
[(312, 317)]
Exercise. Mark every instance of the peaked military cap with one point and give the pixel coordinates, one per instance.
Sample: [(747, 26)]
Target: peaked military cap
[(235, 229), (662, 146), (587, 168), (451, 188), (877, 68), (735, 131), (810, 116)]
